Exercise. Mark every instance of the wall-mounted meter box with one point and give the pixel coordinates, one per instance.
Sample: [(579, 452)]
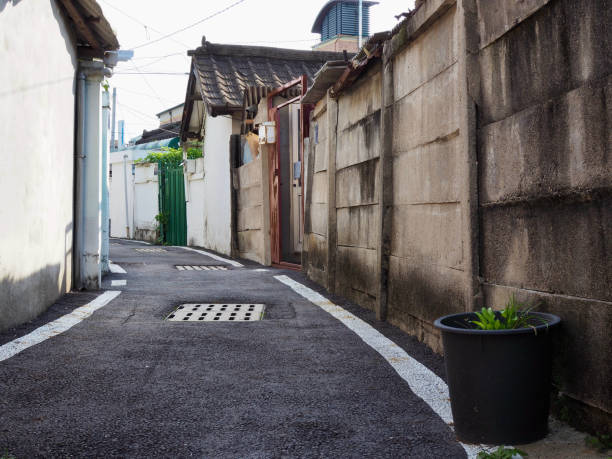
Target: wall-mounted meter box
[(267, 132)]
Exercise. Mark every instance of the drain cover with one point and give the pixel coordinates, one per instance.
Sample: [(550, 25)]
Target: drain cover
[(217, 312), (154, 250), (200, 268)]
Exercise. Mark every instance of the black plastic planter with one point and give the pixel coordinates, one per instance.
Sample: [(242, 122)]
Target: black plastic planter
[(499, 380)]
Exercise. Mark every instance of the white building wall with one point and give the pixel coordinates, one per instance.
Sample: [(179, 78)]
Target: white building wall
[(213, 229), (37, 118), (195, 203)]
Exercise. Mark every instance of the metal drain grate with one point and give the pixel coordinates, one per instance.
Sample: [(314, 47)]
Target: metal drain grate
[(200, 268), (155, 250), (217, 312)]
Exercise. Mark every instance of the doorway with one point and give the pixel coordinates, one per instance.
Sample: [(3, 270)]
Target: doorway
[(286, 201)]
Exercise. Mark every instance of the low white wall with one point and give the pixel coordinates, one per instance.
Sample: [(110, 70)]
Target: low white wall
[(37, 118), (146, 202), (142, 197)]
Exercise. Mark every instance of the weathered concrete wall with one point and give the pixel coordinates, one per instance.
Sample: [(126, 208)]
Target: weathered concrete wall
[(250, 212), (546, 179), (427, 254), (37, 113), (356, 201), (316, 235), (499, 178)]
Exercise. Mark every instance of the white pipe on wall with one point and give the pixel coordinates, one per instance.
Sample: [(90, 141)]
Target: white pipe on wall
[(105, 197)]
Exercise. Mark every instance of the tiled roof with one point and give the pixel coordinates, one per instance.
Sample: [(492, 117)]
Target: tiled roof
[(225, 71), (168, 131)]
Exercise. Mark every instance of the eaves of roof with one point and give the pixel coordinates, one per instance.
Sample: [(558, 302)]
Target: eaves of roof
[(94, 34)]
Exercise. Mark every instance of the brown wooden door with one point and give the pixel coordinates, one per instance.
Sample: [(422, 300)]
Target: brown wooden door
[(275, 193)]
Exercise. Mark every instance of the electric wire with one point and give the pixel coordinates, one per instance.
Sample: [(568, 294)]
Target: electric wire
[(191, 25)]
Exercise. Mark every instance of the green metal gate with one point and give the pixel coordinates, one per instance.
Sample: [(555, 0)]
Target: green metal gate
[(173, 223)]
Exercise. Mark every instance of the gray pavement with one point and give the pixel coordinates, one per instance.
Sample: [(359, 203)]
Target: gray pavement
[(126, 383)]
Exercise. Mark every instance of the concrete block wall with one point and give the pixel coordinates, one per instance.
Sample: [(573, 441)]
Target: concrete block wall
[(546, 178), (356, 198), (318, 158), (250, 212), (427, 253), (494, 145)]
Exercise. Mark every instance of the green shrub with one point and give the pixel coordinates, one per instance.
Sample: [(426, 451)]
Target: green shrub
[(172, 157)]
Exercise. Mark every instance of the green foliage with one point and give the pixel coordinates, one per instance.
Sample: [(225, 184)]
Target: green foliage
[(514, 315), (161, 219), (194, 153), (501, 453), (600, 442), (172, 157), (7, 455)]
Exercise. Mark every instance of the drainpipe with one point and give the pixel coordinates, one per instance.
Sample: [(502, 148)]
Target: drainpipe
[(79, 173), (89, 176), (105, 205), (125, 192), (112, 147)]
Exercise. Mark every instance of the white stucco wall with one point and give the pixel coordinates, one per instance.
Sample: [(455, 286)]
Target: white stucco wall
[(213, 229), (116, 191), (146, 202), (37, 118), (142, 197), (195, 204)]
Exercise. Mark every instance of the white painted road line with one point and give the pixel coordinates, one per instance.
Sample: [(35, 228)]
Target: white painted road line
[(215, 257), (116, 269), (133, 240), (118, 282), (422, 381), (56, 327)]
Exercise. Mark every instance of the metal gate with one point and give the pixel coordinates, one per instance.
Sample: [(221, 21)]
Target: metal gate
[(173, 220)]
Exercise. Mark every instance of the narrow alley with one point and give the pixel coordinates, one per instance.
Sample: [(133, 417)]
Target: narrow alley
[(126, 382)]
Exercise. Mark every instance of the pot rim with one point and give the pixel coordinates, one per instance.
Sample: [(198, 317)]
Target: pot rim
[(551, 321)]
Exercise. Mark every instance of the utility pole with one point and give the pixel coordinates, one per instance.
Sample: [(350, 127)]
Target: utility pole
[(360, 23), (112, 146)]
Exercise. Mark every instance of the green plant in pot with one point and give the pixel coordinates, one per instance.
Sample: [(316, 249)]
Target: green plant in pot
[(498, 366)]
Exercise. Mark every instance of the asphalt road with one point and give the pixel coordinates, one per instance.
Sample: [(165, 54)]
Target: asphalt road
[(126, 383)]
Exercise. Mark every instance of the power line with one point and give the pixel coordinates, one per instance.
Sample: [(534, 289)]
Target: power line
[(140, 22), (191, 25), (144, 94)]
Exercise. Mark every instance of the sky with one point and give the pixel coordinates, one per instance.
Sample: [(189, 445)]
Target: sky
[(139, 23)]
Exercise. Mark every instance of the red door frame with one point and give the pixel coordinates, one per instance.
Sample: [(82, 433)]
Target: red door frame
[(274, 172)]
